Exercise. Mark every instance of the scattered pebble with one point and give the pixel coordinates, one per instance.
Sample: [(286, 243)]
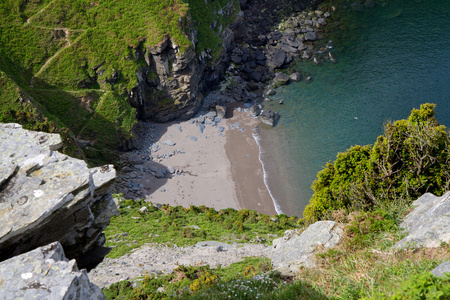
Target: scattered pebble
[(170, 143)]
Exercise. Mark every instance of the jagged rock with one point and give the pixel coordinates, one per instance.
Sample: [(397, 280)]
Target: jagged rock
[(279, 59), (295, 249), (296, 76), (268, 117), (441, 269), (428, 225), (311, 36), (255, 110), (289, 49), (47, 196), (45, 273), (221, 111), (280, 79), (270, 92)]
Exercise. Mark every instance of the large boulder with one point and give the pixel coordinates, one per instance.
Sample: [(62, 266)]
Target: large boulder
[(280, 79), (279, 59), (268, 117), (297, 248), (428, 225), (46, 196), (45, 273)]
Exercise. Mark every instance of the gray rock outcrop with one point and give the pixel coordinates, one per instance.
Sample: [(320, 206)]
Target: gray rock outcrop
[(280, 79), (442, 269), (46, 196), (45, 273), (428, 225), (268, 117), (297, 248)]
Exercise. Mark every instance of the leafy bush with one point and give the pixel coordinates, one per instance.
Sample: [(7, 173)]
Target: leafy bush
[(410, 159), (422, 286)]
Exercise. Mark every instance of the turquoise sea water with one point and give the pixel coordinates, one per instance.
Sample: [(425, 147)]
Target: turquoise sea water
[(390, 59)]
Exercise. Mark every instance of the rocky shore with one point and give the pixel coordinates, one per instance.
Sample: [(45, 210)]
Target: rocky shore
[(258, 63)]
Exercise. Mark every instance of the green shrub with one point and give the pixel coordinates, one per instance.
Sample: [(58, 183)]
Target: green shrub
[(410, 159), (423, 286)]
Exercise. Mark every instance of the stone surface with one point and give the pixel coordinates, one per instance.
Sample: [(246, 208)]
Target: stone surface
[(296, 76), (429, 223), (47, 196), (441, 269), (295, 249), (268, 117), (154, 259), (281, 79), (45, 273), (255, 110)]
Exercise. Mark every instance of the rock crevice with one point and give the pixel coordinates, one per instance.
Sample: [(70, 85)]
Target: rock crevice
[(46, 196)]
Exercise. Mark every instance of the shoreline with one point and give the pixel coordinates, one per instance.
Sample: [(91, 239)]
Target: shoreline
[(213, 162)]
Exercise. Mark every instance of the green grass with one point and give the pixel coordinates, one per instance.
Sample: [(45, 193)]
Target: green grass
[(248, 279), (58, 51), (177, 225), (363, 265)]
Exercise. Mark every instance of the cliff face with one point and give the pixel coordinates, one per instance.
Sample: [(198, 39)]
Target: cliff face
[(172, 83), (168, 86)]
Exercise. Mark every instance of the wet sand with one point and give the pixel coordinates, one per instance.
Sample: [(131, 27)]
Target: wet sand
[(218, 167)]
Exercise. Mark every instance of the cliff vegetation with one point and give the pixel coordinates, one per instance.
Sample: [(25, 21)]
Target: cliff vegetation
[(411, 158), (74, 63)]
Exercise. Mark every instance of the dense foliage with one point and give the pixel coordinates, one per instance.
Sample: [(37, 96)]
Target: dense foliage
[(410, 159)]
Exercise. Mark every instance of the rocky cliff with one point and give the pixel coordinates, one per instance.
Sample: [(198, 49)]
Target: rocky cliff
[(45, 273), (46, 196)]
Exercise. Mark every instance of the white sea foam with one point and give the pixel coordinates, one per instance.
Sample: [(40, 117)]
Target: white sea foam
[(275, 203)]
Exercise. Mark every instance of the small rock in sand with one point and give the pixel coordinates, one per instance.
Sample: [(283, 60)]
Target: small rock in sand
[(170, 143)]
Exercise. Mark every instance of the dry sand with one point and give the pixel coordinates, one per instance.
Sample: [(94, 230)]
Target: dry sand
[(216, 169)]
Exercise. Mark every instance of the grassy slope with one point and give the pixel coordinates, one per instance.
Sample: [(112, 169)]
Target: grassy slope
[(363, 265), (63, 54)]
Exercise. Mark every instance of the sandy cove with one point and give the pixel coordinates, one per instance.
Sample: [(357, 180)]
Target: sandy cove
[(189, 163)]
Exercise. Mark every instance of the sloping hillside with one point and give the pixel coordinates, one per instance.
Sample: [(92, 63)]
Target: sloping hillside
[(79, 62)]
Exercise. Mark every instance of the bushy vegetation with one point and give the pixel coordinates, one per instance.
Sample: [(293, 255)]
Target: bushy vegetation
[(410, 159), (187, 226)]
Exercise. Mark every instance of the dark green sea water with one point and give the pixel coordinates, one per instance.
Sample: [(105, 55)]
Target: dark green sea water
[(390, 59)]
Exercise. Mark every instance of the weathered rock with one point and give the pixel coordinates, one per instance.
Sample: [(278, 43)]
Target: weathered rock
[(289, 49), (255, 110), (169, 143), (268, 117), (280, 79), (270, 92), (429, 223), (295, 250), (441, 269), (311, 36), (296, 76), (47, 196), (278, 60), (45, 273), (221, 111), (306, 55)]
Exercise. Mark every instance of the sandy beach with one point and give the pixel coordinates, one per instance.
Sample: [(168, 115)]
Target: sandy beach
[(187, 163)]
